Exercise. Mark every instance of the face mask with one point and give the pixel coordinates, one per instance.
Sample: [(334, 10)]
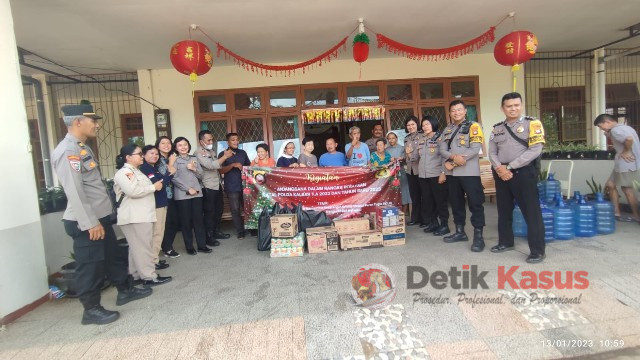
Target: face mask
[(209, 147)]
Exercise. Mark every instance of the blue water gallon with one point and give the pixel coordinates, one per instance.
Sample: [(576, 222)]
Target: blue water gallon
[(552, 204), (562, 221), (605, 215), (519, 224), (541, 190), (547, 220), (584, 218), (552, 186), (575, 199)]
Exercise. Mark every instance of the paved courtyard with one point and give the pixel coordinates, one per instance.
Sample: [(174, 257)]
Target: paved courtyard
[(239, 303)]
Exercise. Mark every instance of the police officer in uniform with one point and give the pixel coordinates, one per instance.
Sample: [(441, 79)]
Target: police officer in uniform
[(514, 146), (460, 146), (87, 218)]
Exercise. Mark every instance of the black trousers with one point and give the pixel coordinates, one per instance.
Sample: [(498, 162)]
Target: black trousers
[(191, 221), (523, 189), (213, 206), (236, 203), (416, 199), (94, 259), (471, 186), (172, 225), (434, 200)]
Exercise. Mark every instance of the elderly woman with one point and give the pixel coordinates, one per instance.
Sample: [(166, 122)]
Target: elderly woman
[(287, 159), (137, 213), (397, 151), (432, 180), (381, 156), (412, 142), (188, 195)]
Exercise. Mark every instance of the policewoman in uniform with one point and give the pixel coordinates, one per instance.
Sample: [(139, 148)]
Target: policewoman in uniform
[(461, 143), (514, 146), (411, 144), (87, 218), (432, 180), (137, 214)]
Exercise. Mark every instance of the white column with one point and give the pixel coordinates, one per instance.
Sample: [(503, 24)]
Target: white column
[(599, 98), (145, 89), (23, 275)]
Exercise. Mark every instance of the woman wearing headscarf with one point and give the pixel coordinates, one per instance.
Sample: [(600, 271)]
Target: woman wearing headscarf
[(287, 159)]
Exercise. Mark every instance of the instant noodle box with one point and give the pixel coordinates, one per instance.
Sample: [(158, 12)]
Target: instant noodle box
[(288, 247), (361, 240), (322, 239), (351, 225), (284, 226)]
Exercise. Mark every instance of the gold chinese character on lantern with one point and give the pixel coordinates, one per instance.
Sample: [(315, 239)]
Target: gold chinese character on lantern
[(189, 53), (509, 48)]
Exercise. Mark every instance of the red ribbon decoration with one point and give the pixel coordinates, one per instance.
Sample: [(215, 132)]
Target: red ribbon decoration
[(287, 70), (453, 52)]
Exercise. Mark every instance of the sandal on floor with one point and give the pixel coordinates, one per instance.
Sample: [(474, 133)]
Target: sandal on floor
[(624, 218)]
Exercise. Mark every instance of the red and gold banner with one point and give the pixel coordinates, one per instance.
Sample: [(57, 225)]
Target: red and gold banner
[(346, 114), (342, 192)]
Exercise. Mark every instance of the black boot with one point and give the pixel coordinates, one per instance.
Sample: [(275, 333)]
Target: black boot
[(432, 226), (478, 240), (99, 316), (459, 235), (442, 230), (131, 293)]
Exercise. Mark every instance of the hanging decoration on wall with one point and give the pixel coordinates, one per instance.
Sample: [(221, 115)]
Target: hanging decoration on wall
[(286, 70), (344, 114), (191, 58), (449, 53), (514, 49)]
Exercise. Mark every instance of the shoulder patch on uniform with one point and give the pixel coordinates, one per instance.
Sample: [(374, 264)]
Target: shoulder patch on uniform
[(530, 118), (74, 162), (498, 124), (129, 175), (536, 132), (476, 135)]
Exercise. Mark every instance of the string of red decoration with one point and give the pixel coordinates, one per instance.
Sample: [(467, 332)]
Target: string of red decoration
[(286, 70), (436, 54)]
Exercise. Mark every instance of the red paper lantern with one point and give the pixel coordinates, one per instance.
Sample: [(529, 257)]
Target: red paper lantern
[(515, 48), (360, 52), (191, 58)]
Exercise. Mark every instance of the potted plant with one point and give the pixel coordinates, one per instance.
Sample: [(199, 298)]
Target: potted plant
[(595, 188)]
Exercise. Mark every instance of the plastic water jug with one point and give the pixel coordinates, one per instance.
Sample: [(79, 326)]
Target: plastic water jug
[(575, 199), (584, 218), (562, 222), (541, 190), (519, 224), (547, 220), (552, 204), (552, 186), (605, 215)]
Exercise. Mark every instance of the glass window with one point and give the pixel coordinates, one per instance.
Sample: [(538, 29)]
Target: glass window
[(319, 97), (472, 113), (285, 129), (218, 130), (399, 92), (212, 103), (250, 133), (247, 101), (283, 99), (437, 112), (431, 91), (398, 117), (463, 89), (363, 94)]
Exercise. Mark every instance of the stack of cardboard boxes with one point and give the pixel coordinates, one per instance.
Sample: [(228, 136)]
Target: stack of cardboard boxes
[(390, 221), (285, 239), (384, 227)]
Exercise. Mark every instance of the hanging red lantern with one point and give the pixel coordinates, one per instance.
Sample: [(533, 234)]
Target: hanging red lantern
[(191, 58), (360, 49), (514, 49)]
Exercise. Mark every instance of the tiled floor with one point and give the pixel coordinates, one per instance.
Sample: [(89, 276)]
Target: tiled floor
[(240, 304)]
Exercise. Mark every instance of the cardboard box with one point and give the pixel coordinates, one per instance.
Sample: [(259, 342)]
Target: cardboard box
[(386, 211), (284, 225), (389, 221), (395, 242), (400, 229), (392, 236), (361, 240), (287, 252), (351, 225), (322, 239)]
